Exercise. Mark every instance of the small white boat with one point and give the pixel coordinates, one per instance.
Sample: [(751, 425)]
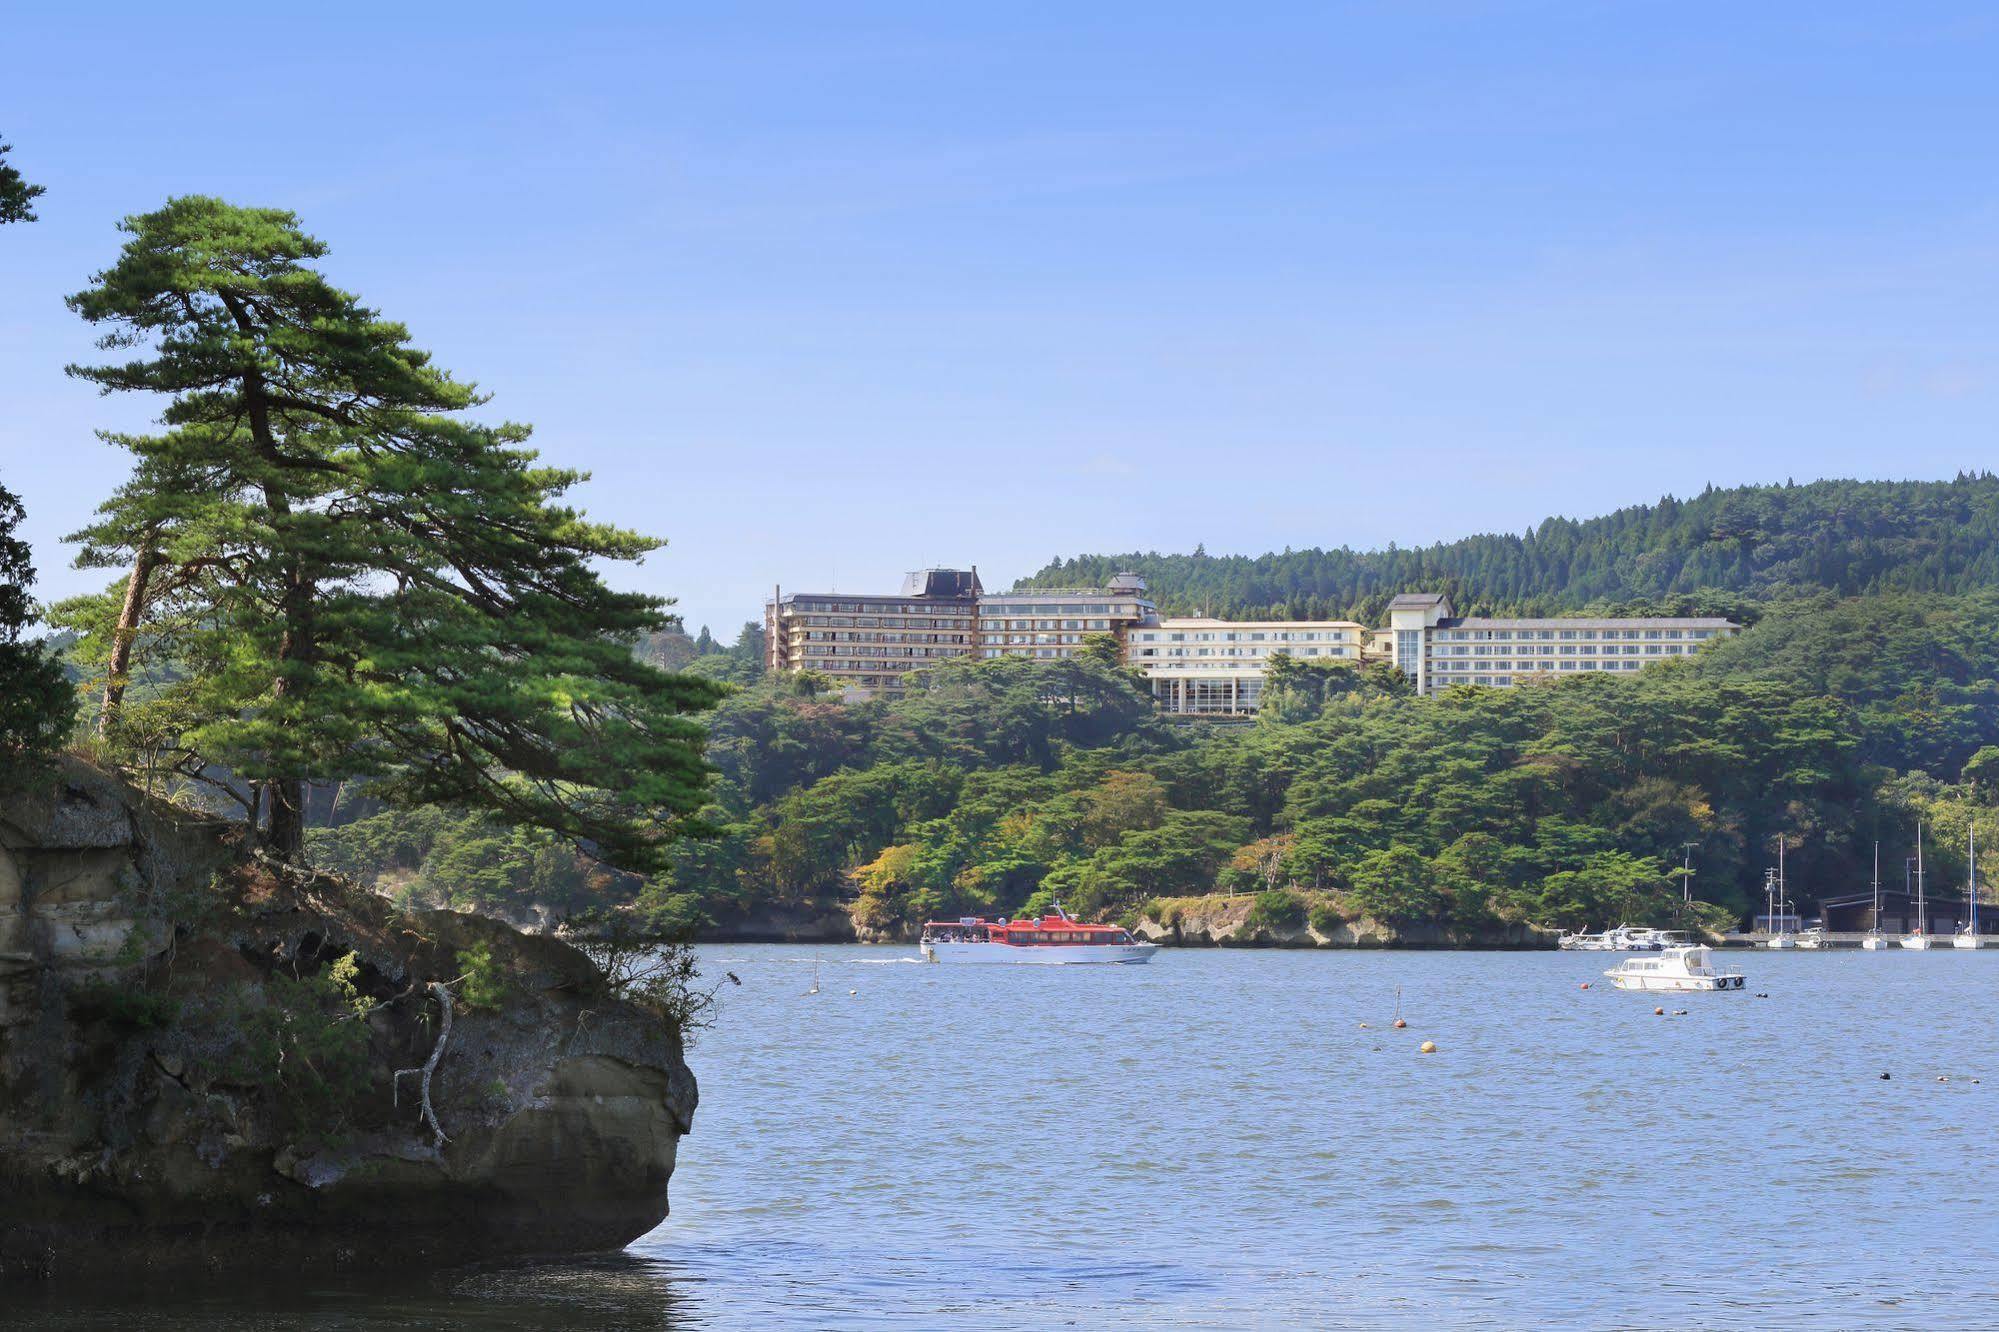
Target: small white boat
[(1689, 968), (1967, 935), (1812, 938), (1782, 941), (1918, 938), (1875, 940)]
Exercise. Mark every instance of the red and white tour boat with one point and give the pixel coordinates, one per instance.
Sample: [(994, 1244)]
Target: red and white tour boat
[(1054, 938)]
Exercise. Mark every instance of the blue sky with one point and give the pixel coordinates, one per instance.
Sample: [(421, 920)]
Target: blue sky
[(824, 292)]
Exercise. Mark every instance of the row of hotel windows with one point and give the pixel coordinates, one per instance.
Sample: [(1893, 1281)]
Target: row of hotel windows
[(881, 607), (1608, 650), (990, 626), (856, 636), (1274, 636), (816, 650), (1457, 669), (1251, 652), (1129, 612), (1507, 635), (882, 622), (1046, 653)]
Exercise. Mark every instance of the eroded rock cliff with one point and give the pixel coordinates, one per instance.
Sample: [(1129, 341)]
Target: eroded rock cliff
[(198, 1057)]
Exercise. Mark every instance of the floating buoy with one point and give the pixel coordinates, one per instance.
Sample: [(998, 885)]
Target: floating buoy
[(1659, 1012), (1400, 1024), (1943, 1077), (1679, 1012), (853, 992), (1427, 1047), (1363, 1026), (1583, 986), (1886, 1076)]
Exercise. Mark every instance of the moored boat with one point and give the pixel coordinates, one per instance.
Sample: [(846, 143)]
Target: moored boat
[(1055, 937), (1919, 938), (1875, 940), (1689, 968), (1967, 934)]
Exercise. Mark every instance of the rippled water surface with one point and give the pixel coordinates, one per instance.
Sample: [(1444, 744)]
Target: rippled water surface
[(1216, 1140)]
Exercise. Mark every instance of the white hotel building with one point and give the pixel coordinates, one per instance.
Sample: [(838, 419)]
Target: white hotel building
[(1199, 667), (1437, 649)]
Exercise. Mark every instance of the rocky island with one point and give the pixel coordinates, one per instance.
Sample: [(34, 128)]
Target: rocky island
[(200, 1055)]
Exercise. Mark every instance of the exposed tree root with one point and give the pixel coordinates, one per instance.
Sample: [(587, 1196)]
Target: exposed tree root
[(430, 1065)]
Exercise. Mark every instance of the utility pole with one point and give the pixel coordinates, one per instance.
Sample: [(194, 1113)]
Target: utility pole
[(1687, 874)]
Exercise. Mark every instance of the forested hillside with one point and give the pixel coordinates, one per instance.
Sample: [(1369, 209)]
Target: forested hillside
[(998, 784), (1712, 552)]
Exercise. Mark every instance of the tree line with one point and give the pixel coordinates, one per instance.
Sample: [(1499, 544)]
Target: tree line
[(1720, 552)]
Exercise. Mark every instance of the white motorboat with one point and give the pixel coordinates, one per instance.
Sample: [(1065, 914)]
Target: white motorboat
[(1056, 937), (1812, 938), (1967, 935), (1688, 968), (1919, 938)]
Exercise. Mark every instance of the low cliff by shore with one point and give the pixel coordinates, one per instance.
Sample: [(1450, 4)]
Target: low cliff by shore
[(212, 1063), (1308, 920)]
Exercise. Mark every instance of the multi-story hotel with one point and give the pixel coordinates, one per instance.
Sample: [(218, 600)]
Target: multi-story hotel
[(871, 643), (1437, 649), (1051, 623), (1198, 667)]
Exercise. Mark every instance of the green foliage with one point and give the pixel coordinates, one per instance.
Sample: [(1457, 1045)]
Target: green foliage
[(16, 194), (995, 791), (301, 1038), (483, 983), (1711, 554), (36, 703), (352, 580), (1278, 909), (134, 1007)]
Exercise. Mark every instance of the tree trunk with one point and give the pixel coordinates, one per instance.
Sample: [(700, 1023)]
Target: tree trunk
[(287, 835), (122, 637)]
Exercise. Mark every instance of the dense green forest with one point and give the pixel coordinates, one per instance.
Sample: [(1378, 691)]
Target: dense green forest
[(1715, 553), (995, 785)]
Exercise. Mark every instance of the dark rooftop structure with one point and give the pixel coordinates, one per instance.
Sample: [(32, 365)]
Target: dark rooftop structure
[(1853, 913)]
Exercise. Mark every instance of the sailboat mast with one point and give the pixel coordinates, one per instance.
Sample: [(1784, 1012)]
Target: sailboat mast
[(1971, 881), (1922, 906), (1877, 885)]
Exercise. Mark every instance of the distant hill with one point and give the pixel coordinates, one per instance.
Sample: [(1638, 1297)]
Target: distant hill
[(1717, 550)]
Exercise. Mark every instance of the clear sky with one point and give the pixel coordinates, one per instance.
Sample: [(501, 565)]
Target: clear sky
[(824, 292)]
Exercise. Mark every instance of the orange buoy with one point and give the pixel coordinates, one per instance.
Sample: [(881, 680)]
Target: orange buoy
[(1660, 1012), (1400, 1024)]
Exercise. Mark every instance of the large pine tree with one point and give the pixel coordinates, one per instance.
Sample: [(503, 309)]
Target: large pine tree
[(359, 581)]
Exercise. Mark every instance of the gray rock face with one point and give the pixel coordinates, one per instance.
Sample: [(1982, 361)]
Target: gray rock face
[(198, 1058)]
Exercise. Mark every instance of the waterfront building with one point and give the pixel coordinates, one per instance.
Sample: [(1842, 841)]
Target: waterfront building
[(1201, 667), (870, 643), (1051, 623), (1437, 650)]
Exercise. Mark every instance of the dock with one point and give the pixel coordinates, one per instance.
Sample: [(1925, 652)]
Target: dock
[(1939, 943)]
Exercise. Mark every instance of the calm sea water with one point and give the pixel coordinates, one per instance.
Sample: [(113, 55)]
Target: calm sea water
[(1215, 1140)]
